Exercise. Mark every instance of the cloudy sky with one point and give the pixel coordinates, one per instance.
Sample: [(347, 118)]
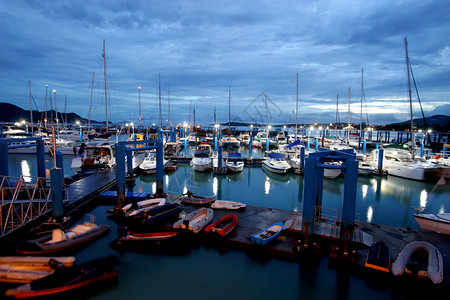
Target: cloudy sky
[(202, 48)]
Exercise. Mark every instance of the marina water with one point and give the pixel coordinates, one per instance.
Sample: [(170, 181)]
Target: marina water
[(210, 273)]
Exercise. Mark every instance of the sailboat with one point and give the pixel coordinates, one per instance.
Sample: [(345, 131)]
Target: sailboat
[(230, 141)]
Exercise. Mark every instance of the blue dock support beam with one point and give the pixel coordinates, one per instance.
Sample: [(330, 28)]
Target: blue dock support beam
[(219, 162), (159, 168), (56, 179), (310, 195), (40, 156), (129, 163), (120, 159), (349, 202), (4, 159), (250, 145), (302, 157)]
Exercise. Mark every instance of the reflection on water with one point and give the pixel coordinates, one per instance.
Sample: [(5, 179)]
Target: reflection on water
[(25, 170), (423, 198), (365, 188), (267, 186), (369, 214)]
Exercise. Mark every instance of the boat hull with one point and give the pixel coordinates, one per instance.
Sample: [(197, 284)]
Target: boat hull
[(434, 222)]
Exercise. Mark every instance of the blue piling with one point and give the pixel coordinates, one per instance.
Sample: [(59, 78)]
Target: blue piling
[(56, 176), (380, 159), (250, 145), (120, 161), (309, 145), (60, 162), (302, 157), (40, 156), (159, 168), (219, 156), (215, 141), (349, 202), (317, 144), (267, 142), (4, 159), (422, 148), (364, 145), (310, 194), (376, 146), (129, 162)]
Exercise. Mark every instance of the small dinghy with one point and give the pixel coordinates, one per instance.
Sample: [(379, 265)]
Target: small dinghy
[(378, 257), (60, 240), (196, 220), (135, 208), (191, 198), (268, 234), (161, 213), (224, 204), (223, 226), (148, 240), (420, 259)]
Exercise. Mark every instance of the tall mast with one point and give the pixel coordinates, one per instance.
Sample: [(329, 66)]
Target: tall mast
[(65, 112), (338, 120), (106, 94), (348, 126), (140, 115), (410, 98), (229, 109), (362, 93), (159, 84), (168, 105), (31, 106), (45, 116), (90, 105), (56, 109), (296, 111)]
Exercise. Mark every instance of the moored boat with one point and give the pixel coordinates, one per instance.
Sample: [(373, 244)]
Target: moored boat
[(420, 259), (59, 240), (223, 226), (225, 204), (234, 162), (161, 213), (434, 222), (378, 257), (268, 234), (162, 238), (276, 163), (191, 198), (196, 220), (65, 280)]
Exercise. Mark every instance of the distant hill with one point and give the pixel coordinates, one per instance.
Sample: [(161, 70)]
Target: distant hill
[(437, 122), (10, 113)]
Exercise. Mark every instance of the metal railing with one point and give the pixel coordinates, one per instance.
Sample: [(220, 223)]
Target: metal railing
[(23, 199)]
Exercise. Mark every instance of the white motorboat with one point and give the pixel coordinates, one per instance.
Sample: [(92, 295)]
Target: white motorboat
[(196, 220), (230, 142), (434, 222), (94, 157), (234, 162), (245, 139), (202, 160), (399, 162), (148, 165), (276, 163), (331, 173)]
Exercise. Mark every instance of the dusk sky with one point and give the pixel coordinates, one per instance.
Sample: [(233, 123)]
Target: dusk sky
[(201, 48)]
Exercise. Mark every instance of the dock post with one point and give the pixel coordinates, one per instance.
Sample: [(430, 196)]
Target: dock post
[(267, 142), (250, 145), (56, 176), (323, 138), (185, 147), (310, 193), (60, 164), (422, 148), (380, 159), (302, 158), (219, 157), (215, 141), (120, 161), (349, 202), (364, 145), (159, 168), (308, 146), (317, 144), (129, 155), (40, 156), (376, 146), (3, 158)]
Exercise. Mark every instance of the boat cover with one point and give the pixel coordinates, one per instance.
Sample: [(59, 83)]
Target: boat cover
[(275, 155), (295, 143)]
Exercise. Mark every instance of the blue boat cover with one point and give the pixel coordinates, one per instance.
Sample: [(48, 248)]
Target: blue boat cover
[(234, 155), (275, 155), (297, 142)]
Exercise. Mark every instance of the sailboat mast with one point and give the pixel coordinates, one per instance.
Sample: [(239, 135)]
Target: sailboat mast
[(90, 105), (31, 106), (56, 109), (229, 109), (46, 92), (159, 89), (338, 121), (168, 105), (296, 111), (348, 126), (140, 115), (410, 98), (106, 93), (362, 93)]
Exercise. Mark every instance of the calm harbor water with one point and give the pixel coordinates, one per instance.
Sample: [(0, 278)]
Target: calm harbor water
[(209, 273)]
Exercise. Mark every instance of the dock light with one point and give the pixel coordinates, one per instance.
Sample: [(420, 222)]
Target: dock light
[(270, 126), (77, 122), (139, 88), (23, 121), (320, 127), (420, 130), (284, 127), (430, 131)]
